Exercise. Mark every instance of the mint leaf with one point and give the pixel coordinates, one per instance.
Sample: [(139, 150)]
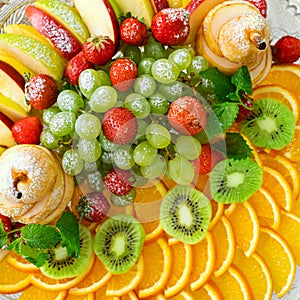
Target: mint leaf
[(3, 236), (40, 236), (15, 245), (226, 112), (237, 147), (242, 80), (69, 230), (221, 83), (36, 256)]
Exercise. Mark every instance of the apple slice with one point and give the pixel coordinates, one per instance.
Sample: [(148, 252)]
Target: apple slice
[(6, 120), (6, 138), (11, 109), (63, 41), (99, 18), (34, 54), (66, 15)]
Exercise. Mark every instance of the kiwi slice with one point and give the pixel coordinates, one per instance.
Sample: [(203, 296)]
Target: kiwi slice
[(235, 180), (272, 124), (60, 265), (119, 242), (185, 214)]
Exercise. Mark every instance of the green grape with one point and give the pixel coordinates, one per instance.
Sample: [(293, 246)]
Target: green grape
[(71, 162), (155, 49), (159, 104), (139, 179), (172, 91), (144, 67), (158, 136), (156, 168), (144, 85), (94, 180), (188, 147), (62, 123), (142, 125), (181, 170), (88, 81), (106, 158), (49, 113), (103, 98), (132, 52), (69, 100), (138, 104), (106, 144), (181, 57), (89, 150), (91, 166), (164, 71), (143, 153), (104, 78), (198, 64), (88, 126), (62, 149), (124, 200), (49, 140), (123, 157)]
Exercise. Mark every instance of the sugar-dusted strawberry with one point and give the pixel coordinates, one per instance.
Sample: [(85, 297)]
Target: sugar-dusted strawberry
[(119, 125), (41, 91), (122, 73), (99, 49), (244, 111), (133, 32), (171, 26), (75, 66), (27, 130), (187, 115), (261, 5), (286, 49), (93, 207), (6, 221), (117, 181)]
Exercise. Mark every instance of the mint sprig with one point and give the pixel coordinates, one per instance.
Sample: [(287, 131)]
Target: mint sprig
[(226, 112)]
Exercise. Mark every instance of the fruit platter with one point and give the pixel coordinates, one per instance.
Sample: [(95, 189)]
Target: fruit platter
[(150, 149)]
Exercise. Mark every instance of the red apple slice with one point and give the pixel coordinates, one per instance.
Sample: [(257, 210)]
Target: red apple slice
[(6, 138), (63, 41), (6, 120)]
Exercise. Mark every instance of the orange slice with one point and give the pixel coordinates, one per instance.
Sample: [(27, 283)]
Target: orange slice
[(289, 229), (280, 259), (266, 208), (158, 264), (182, 263), (183, 295), (90, 296), (203, 263), (21, 264), (96, 278), (257, 273), (225, 245), (202, 184), (49, 284), (101, 294), (246, 227), (233, 284), (217, 212), (34, 292), (279, 93), (11, 280), (122, 284), (130, 296), (292, 150), (277, 185), (208, 292)]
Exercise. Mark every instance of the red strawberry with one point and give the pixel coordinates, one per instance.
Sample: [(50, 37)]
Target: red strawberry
[(261, 5), (75, 66), (122, 73), (98, 50), (27, 130), (41, 91), (187, 116), (133, 32), (119, 125), (117, 181), (171, 26), (6, 223), (286, 49), (93, 207), (244, 112)]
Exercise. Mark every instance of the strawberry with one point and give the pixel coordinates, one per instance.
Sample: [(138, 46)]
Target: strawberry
[(244, 111), (117, 181), (133, 32), (187, 115), (261, 5), (99, 50), (41, 91), (6, 221), (119, 125), (27, 130), (75, 66), (286, 49), (93, 207), (171, 26), (122, 73)]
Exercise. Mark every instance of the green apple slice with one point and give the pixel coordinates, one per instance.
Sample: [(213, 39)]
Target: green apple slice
[(11, 109), (66, 15), (34, 54)]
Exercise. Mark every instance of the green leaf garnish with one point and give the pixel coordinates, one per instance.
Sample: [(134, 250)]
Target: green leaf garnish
[(242, 80), (38, 257), (3, 236), (226, 112), (236, 146)]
